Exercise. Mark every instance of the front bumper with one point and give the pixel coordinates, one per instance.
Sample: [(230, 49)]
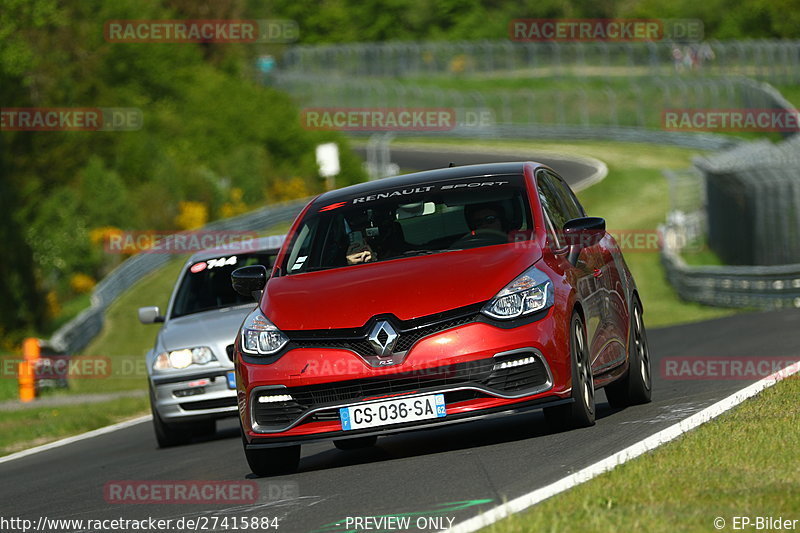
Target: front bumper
[(519, 407), (179, 398), (343, 378)]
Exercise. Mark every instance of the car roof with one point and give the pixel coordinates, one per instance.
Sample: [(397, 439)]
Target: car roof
[(417, 178), (271, 243)]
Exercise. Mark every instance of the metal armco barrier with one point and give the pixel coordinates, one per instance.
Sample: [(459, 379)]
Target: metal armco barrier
[(761, 287), (772, 287), (777, 61)]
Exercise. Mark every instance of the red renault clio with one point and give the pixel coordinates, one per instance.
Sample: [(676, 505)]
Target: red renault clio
[(434, 298)]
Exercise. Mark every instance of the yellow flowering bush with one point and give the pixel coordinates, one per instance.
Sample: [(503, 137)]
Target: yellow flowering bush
[(191, 215)]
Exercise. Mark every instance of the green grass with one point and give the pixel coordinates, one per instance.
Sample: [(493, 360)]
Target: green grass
[(9, 388), (69, 310), (31, 427), (634, 196), (124, 340), (791, 93), (740, 464), (702, 256)]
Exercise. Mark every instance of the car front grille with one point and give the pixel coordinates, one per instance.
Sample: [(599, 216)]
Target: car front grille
[(405, 340), (479, 374), (409, 332)]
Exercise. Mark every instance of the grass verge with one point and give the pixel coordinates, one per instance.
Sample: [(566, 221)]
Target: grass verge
[(26, 428), (736, 465), (123, 342)]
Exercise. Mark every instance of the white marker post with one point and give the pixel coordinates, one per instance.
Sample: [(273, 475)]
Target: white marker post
[(328, 162)]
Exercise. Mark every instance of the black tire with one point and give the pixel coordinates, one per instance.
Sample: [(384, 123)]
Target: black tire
[(356, 443), (581, 412), (265, 462), (635, 387), (168, 435), (203, 428)]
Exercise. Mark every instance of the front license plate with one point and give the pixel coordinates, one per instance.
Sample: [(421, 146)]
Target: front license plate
[(376, 414), (231, 380)]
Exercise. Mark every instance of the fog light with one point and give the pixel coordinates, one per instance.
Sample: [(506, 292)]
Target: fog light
[(275, 398), (515, 363)]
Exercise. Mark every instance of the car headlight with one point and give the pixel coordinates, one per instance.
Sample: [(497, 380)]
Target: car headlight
[(178, 359), (260, 336), (531, 291)]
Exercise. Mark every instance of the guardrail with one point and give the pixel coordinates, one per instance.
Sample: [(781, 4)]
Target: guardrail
[(770, 287), (773, 60), (761, 287), (76, 334)]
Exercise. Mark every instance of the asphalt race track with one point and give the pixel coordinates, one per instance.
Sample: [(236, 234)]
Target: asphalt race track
[(452, 472), (571, 169)]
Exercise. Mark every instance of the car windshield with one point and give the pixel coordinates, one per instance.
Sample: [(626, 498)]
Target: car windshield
[(206, 285), (422, 219)]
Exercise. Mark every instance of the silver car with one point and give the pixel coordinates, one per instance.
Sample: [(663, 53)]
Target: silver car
[(190, 371)]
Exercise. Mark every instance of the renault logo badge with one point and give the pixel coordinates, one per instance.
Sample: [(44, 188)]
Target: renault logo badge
[(383, 338)]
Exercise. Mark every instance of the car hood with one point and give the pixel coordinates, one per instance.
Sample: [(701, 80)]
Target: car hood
[(408, 288), (215, 329)]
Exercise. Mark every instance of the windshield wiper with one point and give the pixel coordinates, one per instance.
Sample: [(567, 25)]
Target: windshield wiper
[(428, 252)]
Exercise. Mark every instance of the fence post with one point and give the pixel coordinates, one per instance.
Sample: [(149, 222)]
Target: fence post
[(27, 379)]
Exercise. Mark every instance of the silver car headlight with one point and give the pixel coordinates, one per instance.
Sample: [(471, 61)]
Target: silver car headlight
[(260, 336), (177, 359), (531, 291)]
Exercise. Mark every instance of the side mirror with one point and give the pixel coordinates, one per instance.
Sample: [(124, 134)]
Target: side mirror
[(580, 233), (150, 315), (250, 280)]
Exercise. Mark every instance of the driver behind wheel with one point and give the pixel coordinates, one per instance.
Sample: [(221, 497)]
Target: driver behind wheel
[(485, 217)]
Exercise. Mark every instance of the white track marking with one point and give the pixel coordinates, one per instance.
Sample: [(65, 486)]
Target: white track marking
[(650, 443), (76, 438)]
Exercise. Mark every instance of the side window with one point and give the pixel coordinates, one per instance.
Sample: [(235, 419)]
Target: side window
[(552, 200), (301, 248), (572, 206), (551, 204)]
